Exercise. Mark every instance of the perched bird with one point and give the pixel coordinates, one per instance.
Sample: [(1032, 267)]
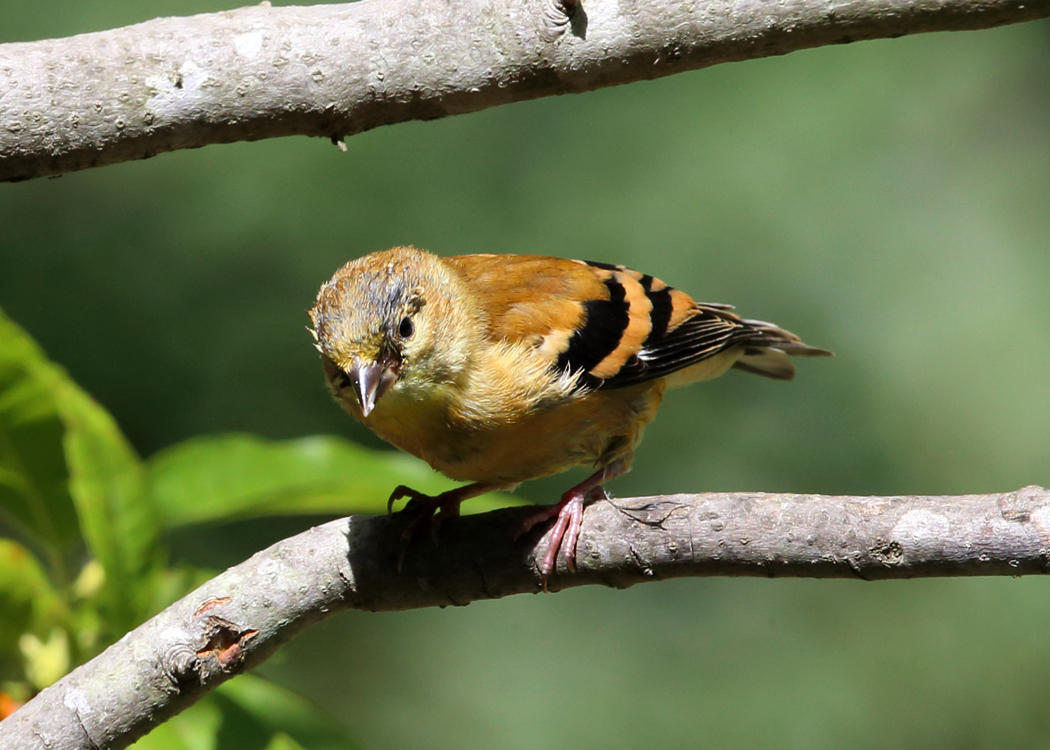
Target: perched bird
[(495, 369)]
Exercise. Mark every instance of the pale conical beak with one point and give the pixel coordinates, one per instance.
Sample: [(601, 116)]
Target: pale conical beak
[(371, 380)]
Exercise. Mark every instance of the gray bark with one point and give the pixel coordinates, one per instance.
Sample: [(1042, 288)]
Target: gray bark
[(237, 619), (336, 70)]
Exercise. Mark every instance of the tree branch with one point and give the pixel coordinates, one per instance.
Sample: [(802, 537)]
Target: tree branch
[(336, 70), (237, 619)]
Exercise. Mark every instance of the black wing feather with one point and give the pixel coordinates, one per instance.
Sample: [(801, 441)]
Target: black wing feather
[(677, 332), (706, 334)]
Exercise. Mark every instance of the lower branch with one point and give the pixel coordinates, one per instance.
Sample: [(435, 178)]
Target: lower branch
[(240, 617)]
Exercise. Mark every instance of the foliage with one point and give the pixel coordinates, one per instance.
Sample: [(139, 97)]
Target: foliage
[(83, 521)]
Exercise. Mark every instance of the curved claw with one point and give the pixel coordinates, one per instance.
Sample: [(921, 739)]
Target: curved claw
[(428, 511), (402, 491)]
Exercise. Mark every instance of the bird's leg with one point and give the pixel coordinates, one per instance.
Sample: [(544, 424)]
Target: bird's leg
[(569, 517), (428, 511)]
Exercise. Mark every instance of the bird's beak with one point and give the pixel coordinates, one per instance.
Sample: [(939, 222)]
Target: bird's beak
[(371, 380)]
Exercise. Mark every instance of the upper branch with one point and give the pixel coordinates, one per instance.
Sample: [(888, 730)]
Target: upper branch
[(240, 617), (336, 70)]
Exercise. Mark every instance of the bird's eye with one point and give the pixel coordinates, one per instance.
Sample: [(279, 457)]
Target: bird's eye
[(406, 328)]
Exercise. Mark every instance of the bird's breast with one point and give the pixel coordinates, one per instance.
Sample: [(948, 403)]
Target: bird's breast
[(507, 449)]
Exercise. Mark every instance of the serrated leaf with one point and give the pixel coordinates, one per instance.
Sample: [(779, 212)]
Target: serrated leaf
[(235, 476)]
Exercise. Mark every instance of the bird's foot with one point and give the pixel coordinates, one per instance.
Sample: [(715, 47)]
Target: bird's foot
[(427, 512), (565, 532), (422, 513), (568, 515), (444, 505)]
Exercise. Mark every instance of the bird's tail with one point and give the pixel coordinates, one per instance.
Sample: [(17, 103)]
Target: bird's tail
[(769, 351)]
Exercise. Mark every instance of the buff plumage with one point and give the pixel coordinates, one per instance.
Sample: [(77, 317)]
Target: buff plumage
[(496, 369)]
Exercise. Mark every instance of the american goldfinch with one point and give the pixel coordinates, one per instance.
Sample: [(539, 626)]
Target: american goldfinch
[(495, 369)]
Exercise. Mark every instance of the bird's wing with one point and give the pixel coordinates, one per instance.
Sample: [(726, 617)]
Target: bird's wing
[(615, 326)]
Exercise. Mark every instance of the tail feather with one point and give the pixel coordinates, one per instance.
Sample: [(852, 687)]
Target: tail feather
[(769, 352)]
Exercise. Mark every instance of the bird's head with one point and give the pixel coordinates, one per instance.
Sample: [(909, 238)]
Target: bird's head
[(391, 320)]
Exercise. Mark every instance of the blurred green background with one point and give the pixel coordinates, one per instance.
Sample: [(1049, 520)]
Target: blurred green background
[(887, 200)]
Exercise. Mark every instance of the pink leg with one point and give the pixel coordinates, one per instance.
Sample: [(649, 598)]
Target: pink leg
[(569, 513)]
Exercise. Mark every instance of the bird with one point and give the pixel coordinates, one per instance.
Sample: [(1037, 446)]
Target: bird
[(500, 368)]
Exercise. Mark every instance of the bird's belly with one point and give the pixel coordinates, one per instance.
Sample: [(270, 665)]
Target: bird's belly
[(596, 429)]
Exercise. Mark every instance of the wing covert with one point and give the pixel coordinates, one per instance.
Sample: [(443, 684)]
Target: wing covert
[(613, 325)]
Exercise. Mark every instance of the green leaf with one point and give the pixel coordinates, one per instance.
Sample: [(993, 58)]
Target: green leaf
[(46, 659), (117, 517), (35, 503), (249, 713), (282, 741), (252, 701), (65, 467), (196, 728), (28, 602), (234, 476)]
